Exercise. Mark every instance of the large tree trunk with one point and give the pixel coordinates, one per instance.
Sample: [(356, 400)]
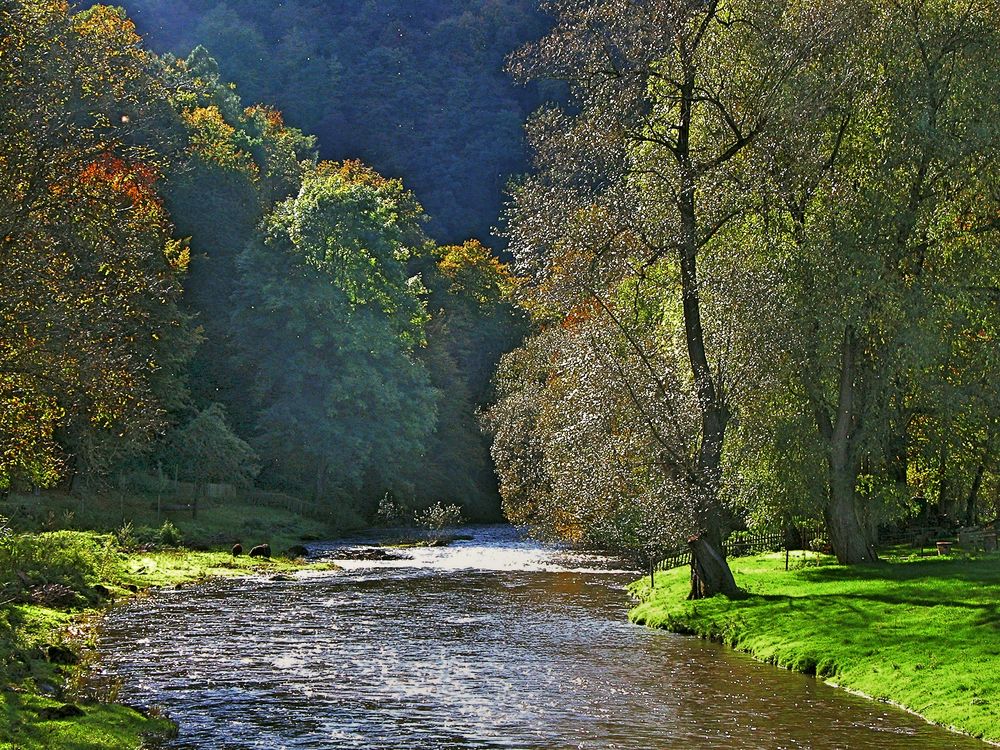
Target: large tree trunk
[(848, 536), (710, 573)]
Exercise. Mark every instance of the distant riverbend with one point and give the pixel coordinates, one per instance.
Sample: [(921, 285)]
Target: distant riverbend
[(493, 642)]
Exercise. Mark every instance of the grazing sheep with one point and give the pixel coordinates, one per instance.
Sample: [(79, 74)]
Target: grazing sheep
[(261, 550)]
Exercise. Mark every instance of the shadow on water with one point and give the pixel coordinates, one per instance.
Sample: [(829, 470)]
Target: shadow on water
[(490, 643)]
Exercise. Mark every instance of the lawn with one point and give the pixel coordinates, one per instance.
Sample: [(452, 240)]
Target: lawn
[(922, 633)]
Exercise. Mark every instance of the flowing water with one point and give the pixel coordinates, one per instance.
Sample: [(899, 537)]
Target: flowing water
[(489, 643)]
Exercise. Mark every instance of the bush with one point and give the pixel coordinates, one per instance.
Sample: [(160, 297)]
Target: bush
[(439, 516), (820, 544), (65, 558), (169, 535), (389, 512)]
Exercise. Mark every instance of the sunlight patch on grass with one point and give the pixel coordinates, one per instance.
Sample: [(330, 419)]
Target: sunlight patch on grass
[(922, 633)]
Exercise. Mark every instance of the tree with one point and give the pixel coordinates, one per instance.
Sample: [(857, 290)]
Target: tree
[(93, 344), (474, 320), (205, 450), (591, 443), (886, 185), (238, 163), (328, 321), (416, 89), (650, 180)]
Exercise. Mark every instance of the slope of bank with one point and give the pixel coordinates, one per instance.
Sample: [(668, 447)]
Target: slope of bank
[(252, 517), (922, 633), (53, 588)]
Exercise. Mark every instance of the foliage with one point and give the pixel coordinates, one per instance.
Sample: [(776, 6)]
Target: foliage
[(879, 189), (389, 513), (591, 442), (206, 450), (238, 162), (439, 516), (67, 558), (328, 319), (474, 320), (808, 231), (169, 535), (416, 89), (93, 343), (638, 219)]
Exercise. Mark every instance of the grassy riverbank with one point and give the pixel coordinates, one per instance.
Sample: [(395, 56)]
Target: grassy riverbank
[(53, 588), (218, 524), (922, 633)]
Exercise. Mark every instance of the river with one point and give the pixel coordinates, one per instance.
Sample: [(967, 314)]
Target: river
[(493, 642)]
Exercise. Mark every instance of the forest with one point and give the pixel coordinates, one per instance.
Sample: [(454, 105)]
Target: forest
[(415, 88), (434, 323), (763, 250), (751, 283), (191, 292)]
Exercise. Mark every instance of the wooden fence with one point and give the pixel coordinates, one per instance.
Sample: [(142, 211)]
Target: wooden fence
[(171, 495), (742, 544)]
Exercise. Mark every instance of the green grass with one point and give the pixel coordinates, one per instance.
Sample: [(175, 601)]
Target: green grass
[(220, 522), (88, 571), (103, 727), (922, 633)]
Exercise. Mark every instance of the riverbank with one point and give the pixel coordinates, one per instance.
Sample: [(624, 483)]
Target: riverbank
[(251, 517), (54, 586), (920, 633)]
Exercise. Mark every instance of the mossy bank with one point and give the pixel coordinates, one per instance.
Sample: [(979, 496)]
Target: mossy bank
[(921, 633), (54, 586)]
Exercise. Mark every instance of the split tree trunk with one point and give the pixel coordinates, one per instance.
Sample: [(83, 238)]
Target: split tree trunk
[(710, 573)]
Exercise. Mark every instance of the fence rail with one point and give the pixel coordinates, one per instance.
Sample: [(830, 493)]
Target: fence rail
[(742, 545), (972, 537)]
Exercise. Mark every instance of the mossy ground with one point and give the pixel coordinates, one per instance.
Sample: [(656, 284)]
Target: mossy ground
[(88, 571), (922, 633)]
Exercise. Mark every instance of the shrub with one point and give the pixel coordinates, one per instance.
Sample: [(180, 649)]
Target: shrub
[(389, 512), (170, 535), (819, 544), (65, 558), (125, 536), (439, 516)]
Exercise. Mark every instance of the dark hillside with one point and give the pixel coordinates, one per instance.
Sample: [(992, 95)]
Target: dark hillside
[(415, 88)]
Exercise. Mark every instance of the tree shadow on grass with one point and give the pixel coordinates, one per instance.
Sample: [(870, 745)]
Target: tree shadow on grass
[(854, 605), (984, 571)]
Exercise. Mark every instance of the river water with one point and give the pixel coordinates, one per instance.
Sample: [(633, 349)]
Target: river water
[(490, 643)]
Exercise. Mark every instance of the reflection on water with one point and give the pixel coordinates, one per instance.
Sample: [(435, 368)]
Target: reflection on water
[(491, 643)]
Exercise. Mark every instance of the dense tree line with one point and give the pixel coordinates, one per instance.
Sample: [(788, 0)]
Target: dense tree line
[(414, 87), (189, 290), (760, 250)]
